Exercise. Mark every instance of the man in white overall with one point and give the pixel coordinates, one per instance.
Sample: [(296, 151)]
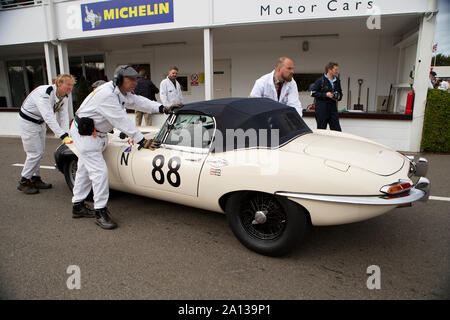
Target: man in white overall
[(170, 89), (101, 111), (44, 105), (279, 85)]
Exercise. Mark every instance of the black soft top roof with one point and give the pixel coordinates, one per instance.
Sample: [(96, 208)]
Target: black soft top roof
[(258, 114)]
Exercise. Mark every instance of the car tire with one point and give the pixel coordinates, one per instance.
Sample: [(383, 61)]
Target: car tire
[(285, 226), (70, 169)]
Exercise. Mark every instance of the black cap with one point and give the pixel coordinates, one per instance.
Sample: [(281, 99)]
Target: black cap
[(127, 71), (433, 73)]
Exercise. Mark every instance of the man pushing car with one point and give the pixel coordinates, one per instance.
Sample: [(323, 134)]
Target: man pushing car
[(99, 113)]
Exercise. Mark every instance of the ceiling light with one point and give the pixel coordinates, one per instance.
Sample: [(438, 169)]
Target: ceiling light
[(163, 44), (311, 36)]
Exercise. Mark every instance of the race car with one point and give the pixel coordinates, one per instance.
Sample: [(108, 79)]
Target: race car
[(258, 162)]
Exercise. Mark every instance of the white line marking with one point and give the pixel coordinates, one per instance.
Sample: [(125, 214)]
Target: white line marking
[(42, 167), (439, 198)]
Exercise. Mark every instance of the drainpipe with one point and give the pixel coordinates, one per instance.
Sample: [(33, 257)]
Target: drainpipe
[(421, 75)]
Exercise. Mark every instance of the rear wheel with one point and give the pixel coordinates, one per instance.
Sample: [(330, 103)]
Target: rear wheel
[(70, 171), (267, 224)]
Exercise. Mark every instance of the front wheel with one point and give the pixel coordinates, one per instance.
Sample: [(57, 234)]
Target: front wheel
[(267, 224)]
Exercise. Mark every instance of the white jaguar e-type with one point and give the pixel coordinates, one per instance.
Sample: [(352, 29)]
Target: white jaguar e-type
[(259, 163)]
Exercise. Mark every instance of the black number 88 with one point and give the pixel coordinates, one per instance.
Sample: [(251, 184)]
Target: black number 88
[(172, 170)]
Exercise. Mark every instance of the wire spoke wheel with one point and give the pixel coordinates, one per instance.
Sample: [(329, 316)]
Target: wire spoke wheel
[(276, 218), (265, 223)]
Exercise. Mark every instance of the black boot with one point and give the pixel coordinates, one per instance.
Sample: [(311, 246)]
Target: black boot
[(39, 184), (103, 219), (81, 210), (27, 186)]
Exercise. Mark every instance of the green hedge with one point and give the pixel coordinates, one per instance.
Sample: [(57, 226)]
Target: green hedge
[(436, 125)]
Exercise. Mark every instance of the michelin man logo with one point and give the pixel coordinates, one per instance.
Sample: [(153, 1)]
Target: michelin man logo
[(92, 18)]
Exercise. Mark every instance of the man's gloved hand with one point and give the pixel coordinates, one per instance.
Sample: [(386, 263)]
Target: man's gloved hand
[(169, 109), (123, 135), (149, 144), (66, 139)]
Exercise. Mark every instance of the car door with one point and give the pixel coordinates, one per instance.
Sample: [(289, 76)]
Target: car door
[(176, 165)]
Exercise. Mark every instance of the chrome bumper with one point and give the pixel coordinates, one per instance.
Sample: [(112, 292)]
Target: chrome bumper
[(418, 168), (415, 194)]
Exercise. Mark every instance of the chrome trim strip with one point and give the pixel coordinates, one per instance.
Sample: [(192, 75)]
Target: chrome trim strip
[(414, 195), (185, 149)]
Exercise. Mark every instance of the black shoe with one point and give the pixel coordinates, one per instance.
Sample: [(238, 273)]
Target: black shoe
[(103, 219), (39, 184), (81, 210), (27, 186)]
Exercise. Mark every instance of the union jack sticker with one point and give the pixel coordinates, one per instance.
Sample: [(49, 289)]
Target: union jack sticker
[(215, 172)]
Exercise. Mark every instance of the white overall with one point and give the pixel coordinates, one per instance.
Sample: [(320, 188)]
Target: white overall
[(107, 107), (40, 105)]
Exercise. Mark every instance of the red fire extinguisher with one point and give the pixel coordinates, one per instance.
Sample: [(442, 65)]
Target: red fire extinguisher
[(410, 102)]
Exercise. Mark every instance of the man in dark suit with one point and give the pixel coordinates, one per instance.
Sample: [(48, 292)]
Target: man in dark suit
[(327, 92), (145, 88)]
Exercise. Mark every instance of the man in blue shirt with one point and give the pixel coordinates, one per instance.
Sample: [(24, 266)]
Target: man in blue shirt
[(327, 92)]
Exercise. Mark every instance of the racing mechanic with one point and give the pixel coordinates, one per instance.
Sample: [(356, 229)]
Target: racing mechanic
[(170, 89), (101, 111), (44, 105), (279, 85)]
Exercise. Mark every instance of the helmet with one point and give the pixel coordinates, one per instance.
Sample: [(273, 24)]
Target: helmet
[(124, 71)]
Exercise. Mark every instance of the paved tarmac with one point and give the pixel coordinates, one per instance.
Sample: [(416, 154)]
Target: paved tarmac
[(167, 251)]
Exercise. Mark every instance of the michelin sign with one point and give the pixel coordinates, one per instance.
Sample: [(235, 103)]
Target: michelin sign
[(125, 13)]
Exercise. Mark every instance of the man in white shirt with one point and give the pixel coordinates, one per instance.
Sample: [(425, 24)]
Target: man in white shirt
[(170, 89), (443, 86), (101, 111), (279, 85), (44, 105)]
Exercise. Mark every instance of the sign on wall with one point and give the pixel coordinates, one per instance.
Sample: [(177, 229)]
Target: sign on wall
[(238, 11), (194, 80), (124, 13)]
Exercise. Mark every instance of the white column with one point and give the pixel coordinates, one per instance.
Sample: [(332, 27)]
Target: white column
[(50, 61), (63, 58), (208, 52), (421, 78)]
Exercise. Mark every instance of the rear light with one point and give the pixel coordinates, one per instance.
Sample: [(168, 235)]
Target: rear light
[(402, 186)]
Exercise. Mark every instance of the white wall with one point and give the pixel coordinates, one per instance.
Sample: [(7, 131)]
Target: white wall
[(251, 60), (9, 124), (24, 25), (391, 133), (442, 72)]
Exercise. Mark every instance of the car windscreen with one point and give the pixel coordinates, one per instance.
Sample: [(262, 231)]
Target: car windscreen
[(187, 130)]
